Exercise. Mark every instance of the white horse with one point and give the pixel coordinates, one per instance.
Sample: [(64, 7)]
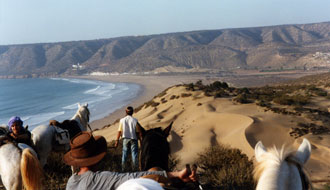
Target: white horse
[(19, 165), (43, 136), (281, 169)]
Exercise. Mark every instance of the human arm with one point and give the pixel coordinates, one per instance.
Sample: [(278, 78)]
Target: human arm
[(117, 139), (22, 138), (112, 180)]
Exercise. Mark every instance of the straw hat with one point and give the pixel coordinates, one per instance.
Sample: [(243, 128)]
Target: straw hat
[(86, 150)]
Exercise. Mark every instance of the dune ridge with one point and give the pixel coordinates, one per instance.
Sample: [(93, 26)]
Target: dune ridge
[(202, 121)]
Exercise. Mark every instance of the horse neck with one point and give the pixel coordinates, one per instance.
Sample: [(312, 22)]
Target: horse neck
[(81, 121)]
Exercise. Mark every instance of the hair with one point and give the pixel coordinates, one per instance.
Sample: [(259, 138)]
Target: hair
[(129, 110)]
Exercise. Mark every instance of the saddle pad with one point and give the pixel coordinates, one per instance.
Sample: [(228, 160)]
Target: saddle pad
[(61, 136)]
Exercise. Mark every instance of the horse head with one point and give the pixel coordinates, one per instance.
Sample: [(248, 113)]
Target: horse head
[(155, 148), (82, 116), (281, 169)]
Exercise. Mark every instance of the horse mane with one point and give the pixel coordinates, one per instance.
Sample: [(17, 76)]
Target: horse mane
[(83, 110), (273, 156), (155, 150), (87, 113), (31, 171)]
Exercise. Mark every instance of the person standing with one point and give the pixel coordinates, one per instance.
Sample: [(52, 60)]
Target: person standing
[(128, 129)]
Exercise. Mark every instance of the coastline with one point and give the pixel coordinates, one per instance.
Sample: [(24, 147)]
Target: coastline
[(150, 87)]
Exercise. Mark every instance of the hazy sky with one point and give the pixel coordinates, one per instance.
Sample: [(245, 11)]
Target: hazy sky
[(33, 21)]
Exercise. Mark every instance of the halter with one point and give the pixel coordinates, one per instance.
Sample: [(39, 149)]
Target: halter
[(305, 183)]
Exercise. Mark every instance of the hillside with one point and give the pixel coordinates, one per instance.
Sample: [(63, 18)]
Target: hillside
[(286, 47), (205, 115)]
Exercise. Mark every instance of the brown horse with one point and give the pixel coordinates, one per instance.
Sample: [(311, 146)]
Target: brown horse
[(155, 148)]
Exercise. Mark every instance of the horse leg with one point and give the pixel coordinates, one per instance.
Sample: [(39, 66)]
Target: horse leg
[(13, 181)]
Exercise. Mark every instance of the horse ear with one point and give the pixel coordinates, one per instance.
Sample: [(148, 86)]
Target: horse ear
[(86, 105), (304, 151), (168, 129), (259, 150), (79, 105)]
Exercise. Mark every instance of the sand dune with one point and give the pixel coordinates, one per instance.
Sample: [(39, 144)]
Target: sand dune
[(200, 122)]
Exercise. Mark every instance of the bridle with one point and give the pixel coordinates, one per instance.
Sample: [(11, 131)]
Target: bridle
[(305, 182)]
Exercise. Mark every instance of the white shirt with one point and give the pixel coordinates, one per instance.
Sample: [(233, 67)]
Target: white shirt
[(127, 126)]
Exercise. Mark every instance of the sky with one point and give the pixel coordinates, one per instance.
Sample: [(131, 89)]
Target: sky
[(43, 21)]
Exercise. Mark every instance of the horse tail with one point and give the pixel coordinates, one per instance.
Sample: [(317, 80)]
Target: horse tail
[(31, 171)]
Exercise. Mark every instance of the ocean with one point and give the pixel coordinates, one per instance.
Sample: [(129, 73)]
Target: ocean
[(37, 101)]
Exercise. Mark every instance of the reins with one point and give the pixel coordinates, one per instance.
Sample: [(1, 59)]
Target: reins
[(89, 127)]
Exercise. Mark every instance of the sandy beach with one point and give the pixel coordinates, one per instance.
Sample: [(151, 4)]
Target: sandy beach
[(150, 87)]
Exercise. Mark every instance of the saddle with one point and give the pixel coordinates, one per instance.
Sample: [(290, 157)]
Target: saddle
[(62, 139)]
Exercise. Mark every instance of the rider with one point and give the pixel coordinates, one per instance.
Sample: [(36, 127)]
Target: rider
[(17, 133)]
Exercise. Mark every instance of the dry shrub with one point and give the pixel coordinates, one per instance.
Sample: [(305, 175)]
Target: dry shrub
[(56, 172), (184, 95), (242, 98), (225, 168)]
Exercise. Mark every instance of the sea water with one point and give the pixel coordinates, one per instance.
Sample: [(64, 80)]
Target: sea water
[(37, 101)]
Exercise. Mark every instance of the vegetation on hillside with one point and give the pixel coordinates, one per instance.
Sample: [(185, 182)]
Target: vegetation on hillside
[(289, 99), (225, 168), (198, 51), (220, 166)]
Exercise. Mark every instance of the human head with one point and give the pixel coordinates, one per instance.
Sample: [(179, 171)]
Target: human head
[(86, 150), (15, 123), (129, 110)]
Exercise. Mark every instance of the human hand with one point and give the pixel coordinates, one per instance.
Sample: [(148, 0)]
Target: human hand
[(116, 143), (186, 175)]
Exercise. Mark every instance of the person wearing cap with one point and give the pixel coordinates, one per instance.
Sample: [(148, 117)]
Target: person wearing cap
[(128, 129), (17, 133), (87, 152)]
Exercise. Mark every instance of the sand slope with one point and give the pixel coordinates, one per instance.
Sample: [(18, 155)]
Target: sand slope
[(200, 122)]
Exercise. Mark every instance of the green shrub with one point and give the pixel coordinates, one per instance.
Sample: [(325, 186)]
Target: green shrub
[(56, 173), (242, 98), (226, 168), (184, 95)]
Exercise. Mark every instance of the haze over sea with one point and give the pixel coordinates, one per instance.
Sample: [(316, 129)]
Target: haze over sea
[(37, 101)]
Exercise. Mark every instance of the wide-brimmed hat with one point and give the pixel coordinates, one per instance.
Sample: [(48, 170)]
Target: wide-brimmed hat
[(86, 150)]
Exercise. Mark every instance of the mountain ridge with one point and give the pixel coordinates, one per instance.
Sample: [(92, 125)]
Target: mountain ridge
[(261, 48)]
